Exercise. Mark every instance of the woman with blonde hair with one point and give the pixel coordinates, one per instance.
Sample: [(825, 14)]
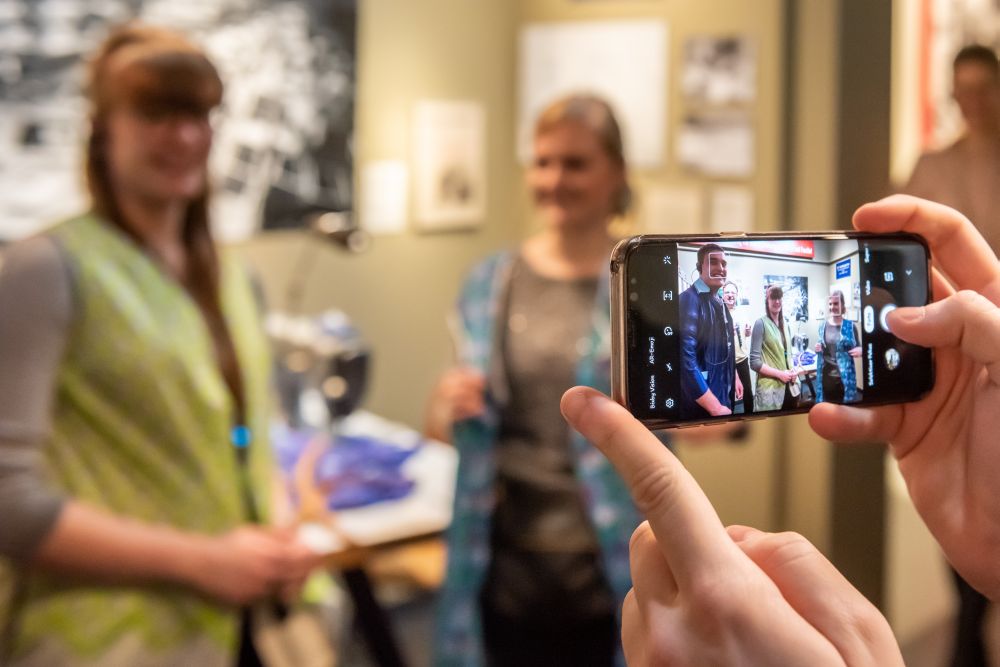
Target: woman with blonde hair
[(538, 549), (134, 464), (839, 345)]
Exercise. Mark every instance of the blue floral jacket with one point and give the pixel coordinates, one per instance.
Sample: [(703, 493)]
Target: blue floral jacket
[(457, 632), (844, 362)]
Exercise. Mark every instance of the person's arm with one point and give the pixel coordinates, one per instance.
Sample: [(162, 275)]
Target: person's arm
[(35, 313), (238, 567), (458, 395), (692, 381), (691, 377), (856, 350)]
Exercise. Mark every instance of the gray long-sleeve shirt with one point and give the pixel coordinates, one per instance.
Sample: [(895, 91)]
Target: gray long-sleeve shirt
[(36, 310)]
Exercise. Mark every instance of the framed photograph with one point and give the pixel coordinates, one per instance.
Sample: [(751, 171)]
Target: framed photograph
[(719, 70), (285, 127), (449, 164)]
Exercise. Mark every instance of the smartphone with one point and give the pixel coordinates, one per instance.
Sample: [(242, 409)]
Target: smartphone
[(737, 326)]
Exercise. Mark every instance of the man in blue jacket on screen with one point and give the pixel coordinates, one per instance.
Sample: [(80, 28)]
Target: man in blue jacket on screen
[(709, 382)]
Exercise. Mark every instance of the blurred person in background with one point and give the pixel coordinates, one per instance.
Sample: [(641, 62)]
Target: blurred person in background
[(966, 177), (135, 472), (538, 550)]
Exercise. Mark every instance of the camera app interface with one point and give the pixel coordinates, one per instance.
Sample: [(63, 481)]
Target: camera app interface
[(765, 325)]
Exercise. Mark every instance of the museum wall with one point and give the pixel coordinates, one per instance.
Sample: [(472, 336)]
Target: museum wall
[(399, 292)]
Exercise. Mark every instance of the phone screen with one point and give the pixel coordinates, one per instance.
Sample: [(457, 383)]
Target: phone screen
[(716, 328)]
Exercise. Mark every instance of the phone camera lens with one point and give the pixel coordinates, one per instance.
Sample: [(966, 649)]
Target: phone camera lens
[(634, 296), (633, 281)]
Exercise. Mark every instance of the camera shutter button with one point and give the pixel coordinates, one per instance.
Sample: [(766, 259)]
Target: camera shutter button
[(884, 314)]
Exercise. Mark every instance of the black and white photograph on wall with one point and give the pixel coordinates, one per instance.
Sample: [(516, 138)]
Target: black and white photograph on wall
[(795, 302), (719, 70), (717, 142), (449, 158), (285, 126)]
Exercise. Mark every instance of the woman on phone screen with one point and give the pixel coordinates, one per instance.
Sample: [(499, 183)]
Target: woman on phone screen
[(770, 357)]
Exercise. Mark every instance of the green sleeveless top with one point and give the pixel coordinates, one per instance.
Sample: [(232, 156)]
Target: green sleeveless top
[(770, 393), (141, 427)]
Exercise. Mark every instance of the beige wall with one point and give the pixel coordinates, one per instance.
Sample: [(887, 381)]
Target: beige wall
[(399, 292)]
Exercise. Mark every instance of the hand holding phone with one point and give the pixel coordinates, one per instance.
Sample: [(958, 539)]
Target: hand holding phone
[(945, 443), (675, 298)]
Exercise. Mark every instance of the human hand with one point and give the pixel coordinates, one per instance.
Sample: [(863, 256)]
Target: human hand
[(739, 388), (819, 347), (712, 405), (946, 443), (251, 563), (457, 396), (720, 411), (704, 597), (460, 392), (789, 376), (855, 352)]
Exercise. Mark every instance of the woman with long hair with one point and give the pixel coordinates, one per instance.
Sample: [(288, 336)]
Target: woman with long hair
[(134, 464), (770, 357), (538, 549)]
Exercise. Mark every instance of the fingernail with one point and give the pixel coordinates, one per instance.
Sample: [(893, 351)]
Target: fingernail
[(574, 402)]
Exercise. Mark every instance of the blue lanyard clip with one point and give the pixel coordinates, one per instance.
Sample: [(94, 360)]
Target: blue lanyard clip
[(240, 436)]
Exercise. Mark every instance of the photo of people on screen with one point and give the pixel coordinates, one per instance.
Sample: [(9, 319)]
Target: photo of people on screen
[(741, 346), (839, 345), (709, 383), (778, 386), (768, 325)]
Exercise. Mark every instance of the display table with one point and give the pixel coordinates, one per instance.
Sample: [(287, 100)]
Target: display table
[(350, 538), (807, 375)]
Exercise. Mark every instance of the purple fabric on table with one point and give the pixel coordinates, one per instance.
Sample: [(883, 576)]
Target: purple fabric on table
[(807, 357), (355, 471), (361, 471)]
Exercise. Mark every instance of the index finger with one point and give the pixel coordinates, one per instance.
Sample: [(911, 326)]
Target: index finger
[(689, 532), (956, 245)]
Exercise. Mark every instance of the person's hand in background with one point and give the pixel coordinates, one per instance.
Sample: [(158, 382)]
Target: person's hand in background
[(458, 395), (252, 563)]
